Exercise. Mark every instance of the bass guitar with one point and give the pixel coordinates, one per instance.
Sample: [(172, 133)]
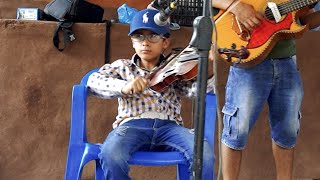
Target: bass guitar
[(280, 22)]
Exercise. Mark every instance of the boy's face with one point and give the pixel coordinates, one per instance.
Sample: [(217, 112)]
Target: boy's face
[(149, 45)]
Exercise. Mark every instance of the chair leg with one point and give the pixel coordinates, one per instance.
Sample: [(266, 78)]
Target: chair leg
[(183, 172), (99, 171), (211, 174), (74, 169)]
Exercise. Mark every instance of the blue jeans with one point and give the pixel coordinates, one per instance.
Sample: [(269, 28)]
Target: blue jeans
[(276, 81), (149, 135)]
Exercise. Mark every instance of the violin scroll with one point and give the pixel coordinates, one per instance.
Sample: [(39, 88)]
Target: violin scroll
[(242, 53)]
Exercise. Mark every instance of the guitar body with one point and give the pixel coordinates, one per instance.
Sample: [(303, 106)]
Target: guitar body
[(262, 39)]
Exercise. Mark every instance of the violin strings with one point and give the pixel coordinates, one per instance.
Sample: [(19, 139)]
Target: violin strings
[(171, 61)]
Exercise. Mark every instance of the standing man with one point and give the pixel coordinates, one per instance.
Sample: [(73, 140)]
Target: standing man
[(276, 80)]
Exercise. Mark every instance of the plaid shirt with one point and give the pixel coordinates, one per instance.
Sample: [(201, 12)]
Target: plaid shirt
[(111, 78)]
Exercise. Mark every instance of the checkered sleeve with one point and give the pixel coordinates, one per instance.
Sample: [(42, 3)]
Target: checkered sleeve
[(107, 82)]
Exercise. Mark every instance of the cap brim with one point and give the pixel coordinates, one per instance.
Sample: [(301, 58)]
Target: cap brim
[(155, 30)]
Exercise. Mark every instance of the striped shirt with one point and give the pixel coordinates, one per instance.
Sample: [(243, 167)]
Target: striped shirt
[(111, 78)]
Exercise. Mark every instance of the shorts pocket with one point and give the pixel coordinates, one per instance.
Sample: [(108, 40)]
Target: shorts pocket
[(230, 121), (299, 122)]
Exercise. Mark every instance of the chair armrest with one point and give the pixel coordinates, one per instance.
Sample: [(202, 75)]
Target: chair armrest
[(85, 78), (78, 133)]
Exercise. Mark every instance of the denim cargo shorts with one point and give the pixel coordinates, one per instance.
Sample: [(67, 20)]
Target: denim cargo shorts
[(275, 81)]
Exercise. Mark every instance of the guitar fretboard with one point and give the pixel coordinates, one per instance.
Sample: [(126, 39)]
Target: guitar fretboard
[(290, 6)]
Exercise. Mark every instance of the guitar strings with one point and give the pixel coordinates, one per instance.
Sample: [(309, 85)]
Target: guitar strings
[(295, 5), (290, 6), (284, 8)]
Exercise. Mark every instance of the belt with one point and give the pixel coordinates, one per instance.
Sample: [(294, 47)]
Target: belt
[(149, 114)]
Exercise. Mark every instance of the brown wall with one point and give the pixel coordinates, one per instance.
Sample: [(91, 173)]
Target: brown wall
[(36, 82)]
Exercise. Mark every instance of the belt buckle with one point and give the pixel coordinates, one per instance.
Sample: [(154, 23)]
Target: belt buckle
[(153, 115), (164, 116)]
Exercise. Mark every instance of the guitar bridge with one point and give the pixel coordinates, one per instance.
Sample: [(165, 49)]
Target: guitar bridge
[(239, 28)]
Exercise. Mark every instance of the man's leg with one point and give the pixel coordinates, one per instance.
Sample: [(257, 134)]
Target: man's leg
[(284, 162), (284, 108), (231, 161), (246, 93)]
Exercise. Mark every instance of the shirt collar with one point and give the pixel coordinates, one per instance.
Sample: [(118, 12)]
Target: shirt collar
[(136, 59)]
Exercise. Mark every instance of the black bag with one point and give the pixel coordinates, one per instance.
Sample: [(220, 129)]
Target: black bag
[(74, 10), (68, 12)]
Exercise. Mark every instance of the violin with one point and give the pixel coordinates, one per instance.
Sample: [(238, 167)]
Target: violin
[(184, 66)]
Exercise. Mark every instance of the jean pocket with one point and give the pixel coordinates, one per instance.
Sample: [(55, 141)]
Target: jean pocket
[(294, 63), (230, 121)]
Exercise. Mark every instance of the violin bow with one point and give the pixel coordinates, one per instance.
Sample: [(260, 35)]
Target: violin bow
[(229, 8), (171, 60)]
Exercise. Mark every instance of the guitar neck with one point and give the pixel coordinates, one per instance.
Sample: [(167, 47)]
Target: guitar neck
[(294, 5)]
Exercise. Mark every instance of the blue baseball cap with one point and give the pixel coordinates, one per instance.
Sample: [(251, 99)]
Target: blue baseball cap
[(144, 19)]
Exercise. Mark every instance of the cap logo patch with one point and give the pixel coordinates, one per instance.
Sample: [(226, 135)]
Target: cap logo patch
[(145, 18)]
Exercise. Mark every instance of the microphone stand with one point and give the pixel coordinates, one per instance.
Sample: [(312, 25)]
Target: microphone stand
[(201, 39)]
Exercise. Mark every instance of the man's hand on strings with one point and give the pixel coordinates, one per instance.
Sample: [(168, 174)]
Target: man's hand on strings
[(247, 15)]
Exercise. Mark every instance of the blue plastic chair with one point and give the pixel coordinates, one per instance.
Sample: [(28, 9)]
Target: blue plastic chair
[(81, 151)]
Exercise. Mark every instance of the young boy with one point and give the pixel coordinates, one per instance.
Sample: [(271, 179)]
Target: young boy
[(146, 120)]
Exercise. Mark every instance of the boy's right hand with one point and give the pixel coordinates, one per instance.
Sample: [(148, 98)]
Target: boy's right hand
[(138, 85)]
